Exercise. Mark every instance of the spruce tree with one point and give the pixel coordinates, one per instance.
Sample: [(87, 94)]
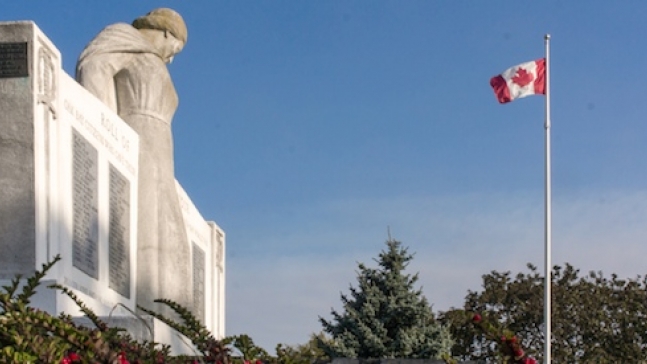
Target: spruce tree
[(386, 316)]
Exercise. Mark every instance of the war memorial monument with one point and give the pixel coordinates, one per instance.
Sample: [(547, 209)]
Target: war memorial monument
[(87, 173)]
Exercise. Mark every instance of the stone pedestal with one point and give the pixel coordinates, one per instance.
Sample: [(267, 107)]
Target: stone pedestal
[(27, 89)]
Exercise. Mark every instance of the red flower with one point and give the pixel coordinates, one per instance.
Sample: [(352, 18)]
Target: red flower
[(70, 358), (513, 339), (122, 358), (258, 361), (529, 360), (518, 352), (476, 318)]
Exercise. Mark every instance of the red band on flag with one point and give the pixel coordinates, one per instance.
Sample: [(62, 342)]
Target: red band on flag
[(500, 87), (540, 80), (520, 81)]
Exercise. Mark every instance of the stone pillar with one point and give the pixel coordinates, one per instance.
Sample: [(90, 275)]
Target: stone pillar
[(29, 65)]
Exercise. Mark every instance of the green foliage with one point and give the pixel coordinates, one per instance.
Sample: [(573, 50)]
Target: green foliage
[(307, 353), (594, 319), (385, 316), (246, 347), (508, 345), (28, 335), (212, 350), (115, 342), (32, 336)]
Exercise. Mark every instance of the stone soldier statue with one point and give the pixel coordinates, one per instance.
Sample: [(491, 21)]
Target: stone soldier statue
[(125, 67)]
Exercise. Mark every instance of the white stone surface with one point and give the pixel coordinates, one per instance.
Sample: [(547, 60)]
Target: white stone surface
[(47, 117), (27, 122), (210, 238), (117, 145), (44, 116)]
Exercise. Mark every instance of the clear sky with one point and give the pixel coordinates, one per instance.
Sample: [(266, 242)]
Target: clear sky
[(307, 128)]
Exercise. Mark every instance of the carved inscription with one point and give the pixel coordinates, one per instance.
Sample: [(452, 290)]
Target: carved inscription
[(198, 281), (119, 233), (85, 237), (85, 122), (13, 60)]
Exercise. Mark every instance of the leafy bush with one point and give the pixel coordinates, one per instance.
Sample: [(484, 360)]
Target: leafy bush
[(28, 335)]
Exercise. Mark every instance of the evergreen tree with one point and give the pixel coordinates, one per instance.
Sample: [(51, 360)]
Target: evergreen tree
[(385, 316)]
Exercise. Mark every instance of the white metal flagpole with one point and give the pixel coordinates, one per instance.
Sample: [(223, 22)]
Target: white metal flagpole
[(547, 214)]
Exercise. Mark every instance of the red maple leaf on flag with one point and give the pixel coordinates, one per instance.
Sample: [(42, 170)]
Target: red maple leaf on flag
[(522, 77)]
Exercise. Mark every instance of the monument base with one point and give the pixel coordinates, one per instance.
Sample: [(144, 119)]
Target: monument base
[(142, 327), (69, 188), (147, 328)]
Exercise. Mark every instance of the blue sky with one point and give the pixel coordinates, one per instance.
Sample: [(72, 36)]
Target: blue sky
[(306, 128)]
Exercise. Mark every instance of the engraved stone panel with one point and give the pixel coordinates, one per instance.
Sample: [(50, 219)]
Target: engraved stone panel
[(119, 233), (85, 236), (13, 60), (198, 281)]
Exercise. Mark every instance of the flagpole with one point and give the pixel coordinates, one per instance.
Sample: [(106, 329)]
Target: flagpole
[(547, 214)]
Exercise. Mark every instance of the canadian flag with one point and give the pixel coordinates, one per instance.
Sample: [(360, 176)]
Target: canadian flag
[(520, 81)]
